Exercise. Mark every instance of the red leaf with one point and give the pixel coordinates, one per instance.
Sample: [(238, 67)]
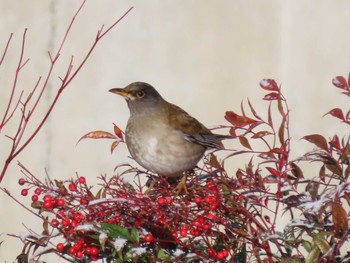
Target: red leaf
[(296, 171), (347, 196), (281, 133), (98, 135), (335, 142), (261, 134), (233, 132), (114, 145), (271, 96), (340, 82), (244, 141), (269, 84), (273, 171), (253, 110), (238, 120), (336, 112), (267, 155), (269, 116), (118, 132), (340, 219), (318, 140)]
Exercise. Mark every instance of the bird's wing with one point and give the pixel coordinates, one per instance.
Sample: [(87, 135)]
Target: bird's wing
[(193, 130)]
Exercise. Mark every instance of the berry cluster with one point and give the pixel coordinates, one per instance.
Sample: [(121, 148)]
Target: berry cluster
[(193, 223)]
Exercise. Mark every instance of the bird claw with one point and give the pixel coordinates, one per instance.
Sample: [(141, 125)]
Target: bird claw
[(181, 186)]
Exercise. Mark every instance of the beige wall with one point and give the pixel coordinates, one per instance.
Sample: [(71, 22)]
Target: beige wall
[(206, 56)]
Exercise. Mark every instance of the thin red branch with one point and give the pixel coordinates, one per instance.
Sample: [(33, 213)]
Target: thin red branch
[(6, 48), (19, 67), (65, 84), (69, 76)]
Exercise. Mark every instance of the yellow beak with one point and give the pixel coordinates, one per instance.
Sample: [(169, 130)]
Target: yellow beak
[(121, 92)]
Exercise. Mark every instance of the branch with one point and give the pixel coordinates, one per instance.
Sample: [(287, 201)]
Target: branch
[(6, 47), (17, 146)]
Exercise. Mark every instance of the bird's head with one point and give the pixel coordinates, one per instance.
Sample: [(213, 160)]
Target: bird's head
[(140, 96)]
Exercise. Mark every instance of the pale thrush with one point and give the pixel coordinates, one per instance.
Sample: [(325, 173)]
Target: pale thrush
[(161, 136)]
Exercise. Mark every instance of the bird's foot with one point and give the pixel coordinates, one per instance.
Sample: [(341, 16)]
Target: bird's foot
[(181, 187), (153, 183)]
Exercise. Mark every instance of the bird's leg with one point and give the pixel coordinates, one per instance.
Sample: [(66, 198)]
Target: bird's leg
[(153, 183), (181, 185)]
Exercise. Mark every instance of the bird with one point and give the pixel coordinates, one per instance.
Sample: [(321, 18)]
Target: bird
[(162, 137)]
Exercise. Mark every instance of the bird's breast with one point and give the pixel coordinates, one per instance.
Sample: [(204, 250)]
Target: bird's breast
[(160, 148)]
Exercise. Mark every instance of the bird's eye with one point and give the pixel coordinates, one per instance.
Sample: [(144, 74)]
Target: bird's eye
[(140, 94)]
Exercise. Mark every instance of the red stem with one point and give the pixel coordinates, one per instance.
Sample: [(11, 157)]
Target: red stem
[(65, 82)]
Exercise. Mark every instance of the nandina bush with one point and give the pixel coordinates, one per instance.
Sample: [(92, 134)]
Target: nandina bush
[(225, 216)]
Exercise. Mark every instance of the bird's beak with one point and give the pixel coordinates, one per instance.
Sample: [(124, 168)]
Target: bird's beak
[(121, 92)]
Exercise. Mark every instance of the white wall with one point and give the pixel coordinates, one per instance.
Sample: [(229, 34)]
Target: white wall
[(206, 56)]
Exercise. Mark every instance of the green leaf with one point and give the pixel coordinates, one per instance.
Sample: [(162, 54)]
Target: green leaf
[(115, 231), (134, 235), (161, 255), (307, 245), (313, 255), (322, 244)]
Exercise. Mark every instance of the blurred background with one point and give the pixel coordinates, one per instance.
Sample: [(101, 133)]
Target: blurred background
[(205, 56)]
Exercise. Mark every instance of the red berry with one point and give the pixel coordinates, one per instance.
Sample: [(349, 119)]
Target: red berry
[(66, 222), (225, 252), (211, 252), (79, 254), (82, 180), (60, 202), (168, 200), (162, 220), (137, 223), (149, 238), (220, 255), (74, 223), (194, 232), (54, 223), (210, 216), (78, 217), (72, 187), (88, 250), (60, 246), (21, 181), (71, 250), (210, 185), (183, 232), (47, 204), (35, 198), (24, 192), (213, 206), (37, 191), (207, 199), (161, 201), (197, 200), (94, 251), (206, 227), (196, 223), (47, 198), (174, 235), (83, 201)]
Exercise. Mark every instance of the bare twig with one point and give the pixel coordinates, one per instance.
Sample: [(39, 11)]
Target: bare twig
[(17, 145)]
